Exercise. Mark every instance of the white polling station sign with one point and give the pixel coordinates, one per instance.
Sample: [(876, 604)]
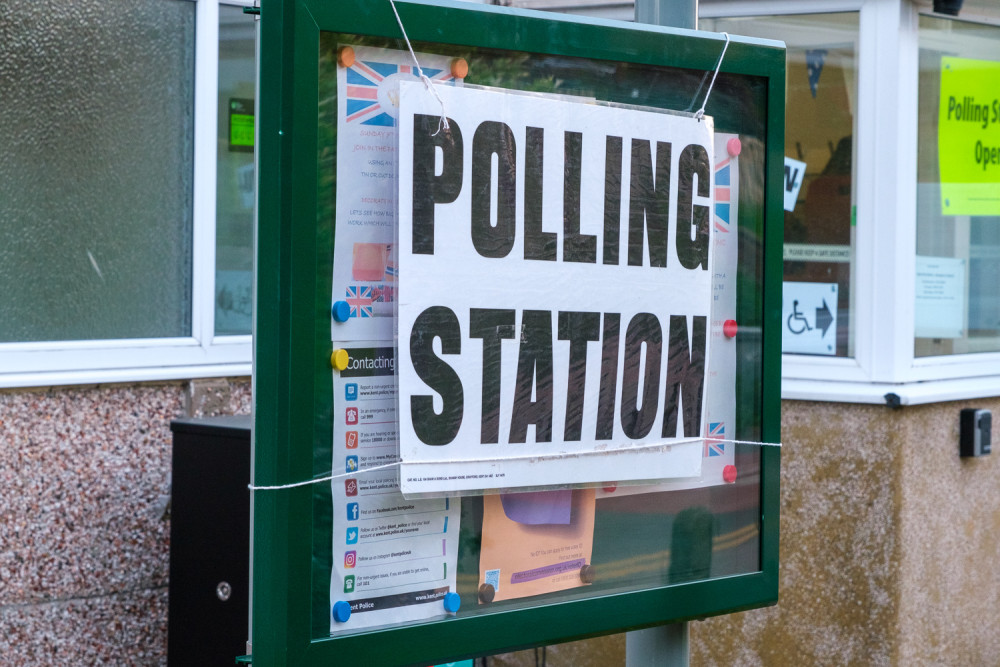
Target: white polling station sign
[(556, 291)]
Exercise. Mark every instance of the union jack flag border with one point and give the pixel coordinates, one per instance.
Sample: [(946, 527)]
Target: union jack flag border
[(722, 196), (715, 432)]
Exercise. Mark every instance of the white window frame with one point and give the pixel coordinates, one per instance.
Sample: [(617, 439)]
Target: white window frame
[(203, 354), (885, 234)]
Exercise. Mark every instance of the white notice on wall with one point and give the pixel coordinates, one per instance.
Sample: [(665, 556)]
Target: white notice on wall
[(809, 318), (557, 330), (940, 297)]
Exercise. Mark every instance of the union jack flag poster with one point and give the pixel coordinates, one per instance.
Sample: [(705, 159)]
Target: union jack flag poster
[(722, 183), (360, 300), (368, 99), (715, 432)]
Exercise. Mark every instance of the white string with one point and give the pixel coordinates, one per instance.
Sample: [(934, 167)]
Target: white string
[(520, 457), (328, 478), (701, 112), (443, 120)]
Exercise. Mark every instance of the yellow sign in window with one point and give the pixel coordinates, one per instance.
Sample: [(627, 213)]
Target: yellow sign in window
[(969, 136), (241, 124)]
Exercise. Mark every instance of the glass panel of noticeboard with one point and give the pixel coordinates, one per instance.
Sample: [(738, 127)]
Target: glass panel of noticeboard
[(383, 558)]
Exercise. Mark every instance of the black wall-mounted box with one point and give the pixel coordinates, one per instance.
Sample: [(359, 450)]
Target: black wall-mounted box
[(975, 428), (209, 541)]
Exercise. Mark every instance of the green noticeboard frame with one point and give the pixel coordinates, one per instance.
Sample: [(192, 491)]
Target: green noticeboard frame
[(292, 373)]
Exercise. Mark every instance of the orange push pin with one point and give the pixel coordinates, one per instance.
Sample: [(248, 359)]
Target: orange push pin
[(345, 57), (339, 359), (459, 68)]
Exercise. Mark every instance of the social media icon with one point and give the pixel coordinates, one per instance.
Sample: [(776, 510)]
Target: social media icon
[(351, 487), (352, 439), (352, 511), (351, 391), (350, 559), (352, 463), (352, 416), (352, 535), (349, 583)]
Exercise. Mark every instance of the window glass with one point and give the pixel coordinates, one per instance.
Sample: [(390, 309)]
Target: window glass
[(655, 538), (235, 173), (95, 169), (957, 308), (820, 111)]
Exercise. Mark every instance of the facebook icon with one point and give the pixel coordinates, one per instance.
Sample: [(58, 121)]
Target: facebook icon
[(352, 511)]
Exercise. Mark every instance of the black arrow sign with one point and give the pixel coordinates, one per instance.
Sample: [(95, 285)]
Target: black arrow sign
[(823, 318)]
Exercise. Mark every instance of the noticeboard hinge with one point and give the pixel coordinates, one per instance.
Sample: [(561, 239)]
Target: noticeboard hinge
[(255, 10)]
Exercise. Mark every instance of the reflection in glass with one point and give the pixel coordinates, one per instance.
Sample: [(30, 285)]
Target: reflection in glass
[(640, 541), (957, 307), (820, 110), (235, 179)]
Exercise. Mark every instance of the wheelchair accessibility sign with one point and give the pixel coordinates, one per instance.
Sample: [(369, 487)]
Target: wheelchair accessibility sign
[(809, 318)]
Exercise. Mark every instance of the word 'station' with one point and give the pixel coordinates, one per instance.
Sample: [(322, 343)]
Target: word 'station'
[(527, 329), (533, 390)]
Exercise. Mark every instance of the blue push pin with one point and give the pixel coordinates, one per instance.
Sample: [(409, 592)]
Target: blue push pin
[(341, 611), (341, 311), (452, 602)]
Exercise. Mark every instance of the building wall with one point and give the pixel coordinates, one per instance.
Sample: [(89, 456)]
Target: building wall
[(888, 539), (888, 545), (85, 518)]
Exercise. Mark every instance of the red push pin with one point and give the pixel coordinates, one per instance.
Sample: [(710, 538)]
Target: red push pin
[(610, 487), (729, 474), (730, 328), (733, 147)]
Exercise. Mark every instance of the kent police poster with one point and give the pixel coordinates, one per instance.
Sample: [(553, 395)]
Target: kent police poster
[(393, 560), (556, 327)]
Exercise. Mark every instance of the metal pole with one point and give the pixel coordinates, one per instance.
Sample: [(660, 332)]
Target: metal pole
[(674, 13), (667, 645)]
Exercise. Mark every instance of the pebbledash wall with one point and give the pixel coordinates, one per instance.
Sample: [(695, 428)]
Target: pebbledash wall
[(889, 538), (889, 543), (85, 517)]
